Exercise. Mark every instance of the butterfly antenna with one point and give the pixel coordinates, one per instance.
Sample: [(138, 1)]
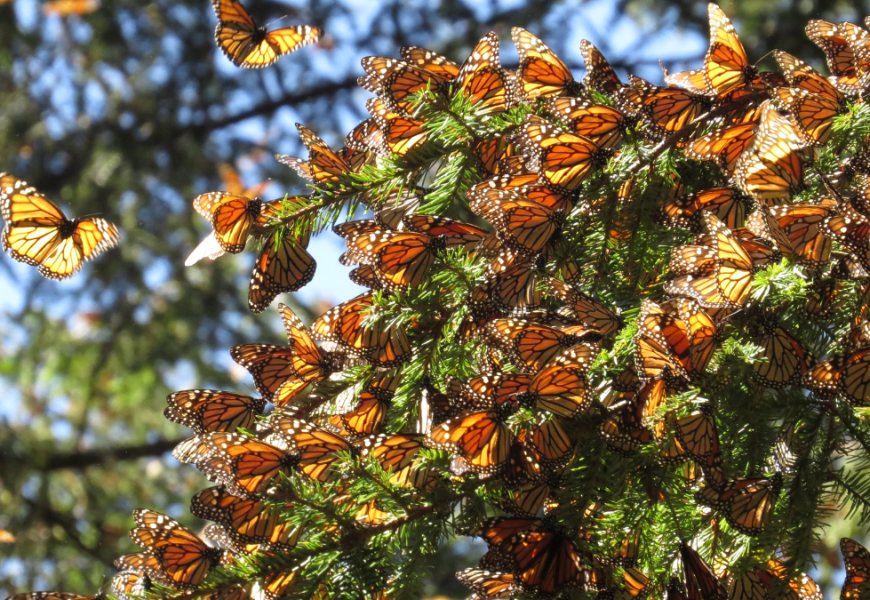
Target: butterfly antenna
[(270, 23), (763, 57)]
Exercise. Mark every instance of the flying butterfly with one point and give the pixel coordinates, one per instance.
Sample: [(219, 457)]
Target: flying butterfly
[(250, 46), (541, 73), (183, 558), (324, 165), (37, 232), (232, 216)]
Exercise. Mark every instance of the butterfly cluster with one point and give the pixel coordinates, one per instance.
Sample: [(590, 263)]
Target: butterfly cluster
[(548, 351)]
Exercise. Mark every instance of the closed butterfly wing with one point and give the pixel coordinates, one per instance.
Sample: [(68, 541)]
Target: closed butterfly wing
[(745, 503), (565, 159), (211, 410), (726, 66), (284, 265), (183, 558), (701, 581)]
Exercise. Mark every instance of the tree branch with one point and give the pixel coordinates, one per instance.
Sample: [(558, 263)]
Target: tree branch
[(327, 89), (90, 458)]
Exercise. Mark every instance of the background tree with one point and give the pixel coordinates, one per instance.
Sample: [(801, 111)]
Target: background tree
[(128, 111)]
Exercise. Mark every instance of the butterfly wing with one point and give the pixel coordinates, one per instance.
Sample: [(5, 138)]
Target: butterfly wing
[(33, 222), (283, 265)]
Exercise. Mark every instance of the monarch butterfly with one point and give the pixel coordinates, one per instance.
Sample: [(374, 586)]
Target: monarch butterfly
[(599, 123), (525, 225), (316, 449), (432, 62), (663, 110), (128, 585), (253, 47), (536, 345), (560, 387), (699, 439), (802, 76), (480, 437), (726, 204), (661, 345), (283, 265), (324, 165), (771, 170), (144, 564), (486, 390), (530, 474), (543, 559), (813, 114), (366, 276), (726, 66), (400, 259), (586, 310), (857, 561), (246, 521), (70, 7), (211, 410), (366, 137), (37, 232), (370, 412), (399, 455), (723, 146), (565, 159), (803, 225), (746, 503), (488, 584), (232, 216), (276, 585), (600, 75), (634, 585), (786, 361), (772, 578), (384, 346), (541, 73), (459, 235), (401, 134), (722, 273), (244, 465), (183, 558), (834, 40), (701, 581), (512, 290), (493, 150), (395, 81), (625, 431), (488, 87)]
